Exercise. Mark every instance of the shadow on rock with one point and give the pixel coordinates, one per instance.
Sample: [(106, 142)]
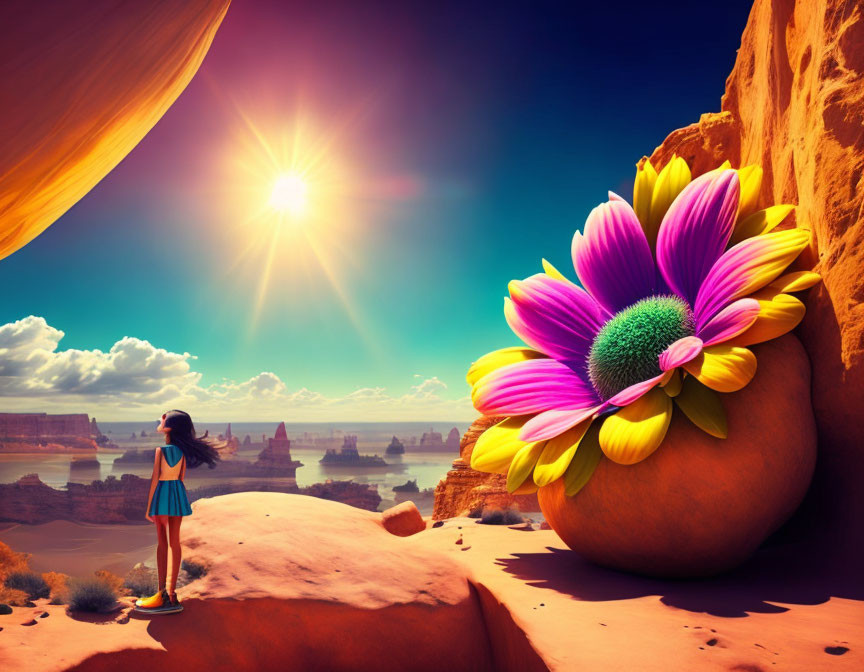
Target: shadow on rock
[(791, 574)]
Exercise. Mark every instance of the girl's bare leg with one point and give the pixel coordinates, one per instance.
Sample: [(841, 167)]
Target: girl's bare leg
[(174, 540), (161, 549)]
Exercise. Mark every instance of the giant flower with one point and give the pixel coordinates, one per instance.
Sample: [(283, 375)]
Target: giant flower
[(673, 290)]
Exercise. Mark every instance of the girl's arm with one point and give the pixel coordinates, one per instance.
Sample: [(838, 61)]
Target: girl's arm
[(183, 468), (153, 480)]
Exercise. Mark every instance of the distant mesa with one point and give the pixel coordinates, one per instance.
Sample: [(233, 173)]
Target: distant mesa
[(143, 434), (453, 439), (432, 441), (348, 456), (396, 447), (247, 441), (44, 433)]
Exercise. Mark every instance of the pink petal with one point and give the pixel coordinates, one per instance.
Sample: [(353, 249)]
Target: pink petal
[(630, 394), (680, 352), (550, 424), (553, 316), (612, 258), (532, 386), (695, 230), (746, 267), (732, 320)]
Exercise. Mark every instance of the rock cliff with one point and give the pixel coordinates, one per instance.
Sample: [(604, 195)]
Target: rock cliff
[(794, 104), (464, 490)]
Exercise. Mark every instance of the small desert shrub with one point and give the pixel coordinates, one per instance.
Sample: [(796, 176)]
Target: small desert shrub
[(501, 517), (141, 580), (5, 609), (10, 561), (57, 583), (14, 597), (91, 594), (195, 570), (116, 582), (31, 583)]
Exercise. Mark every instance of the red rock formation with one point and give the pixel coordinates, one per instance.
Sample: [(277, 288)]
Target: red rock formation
[(123, 500), (794, 104), (113, 500), (464, 490), (358, 495), (44, 433)]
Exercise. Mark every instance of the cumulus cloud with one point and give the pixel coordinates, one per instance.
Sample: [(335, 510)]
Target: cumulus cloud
[(135, 378)]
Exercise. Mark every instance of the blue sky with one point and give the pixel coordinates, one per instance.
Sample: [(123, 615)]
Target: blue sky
[(477, 138)]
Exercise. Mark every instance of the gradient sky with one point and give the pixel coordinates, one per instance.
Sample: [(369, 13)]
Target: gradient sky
[(473, 138)]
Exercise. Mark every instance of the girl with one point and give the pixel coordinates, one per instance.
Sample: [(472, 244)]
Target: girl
[(168, 502)]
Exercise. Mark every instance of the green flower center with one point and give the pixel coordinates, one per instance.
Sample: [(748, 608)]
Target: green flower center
[(626, 349)]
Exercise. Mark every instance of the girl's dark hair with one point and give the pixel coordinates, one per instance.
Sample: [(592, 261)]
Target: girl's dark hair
[(197, 450)]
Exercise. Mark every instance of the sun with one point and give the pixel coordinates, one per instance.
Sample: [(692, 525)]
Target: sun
[(289, 194)]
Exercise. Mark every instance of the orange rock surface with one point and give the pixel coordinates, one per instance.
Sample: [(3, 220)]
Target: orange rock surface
[(793, 104), (297, 583)]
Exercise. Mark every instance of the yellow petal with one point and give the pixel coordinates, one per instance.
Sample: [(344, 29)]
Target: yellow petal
[(553, 272), (673, 386), (703, 406), (795, 281), (527, 488), (557, 453), (769, 257), (643, 188), (498, 358), (636, 431), (778, 314), (723, 367), (523, 464), (760, 222), (584, 462), (498, 445), (670, 182), (750, 179)]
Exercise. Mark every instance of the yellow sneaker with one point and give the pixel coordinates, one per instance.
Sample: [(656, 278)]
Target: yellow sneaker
[(156, 600)]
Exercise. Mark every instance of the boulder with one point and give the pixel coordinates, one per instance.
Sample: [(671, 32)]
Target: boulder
[(700, 505), (403, 520)]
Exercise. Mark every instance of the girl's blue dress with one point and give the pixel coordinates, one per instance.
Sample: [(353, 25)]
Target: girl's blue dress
[(169, 497)]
